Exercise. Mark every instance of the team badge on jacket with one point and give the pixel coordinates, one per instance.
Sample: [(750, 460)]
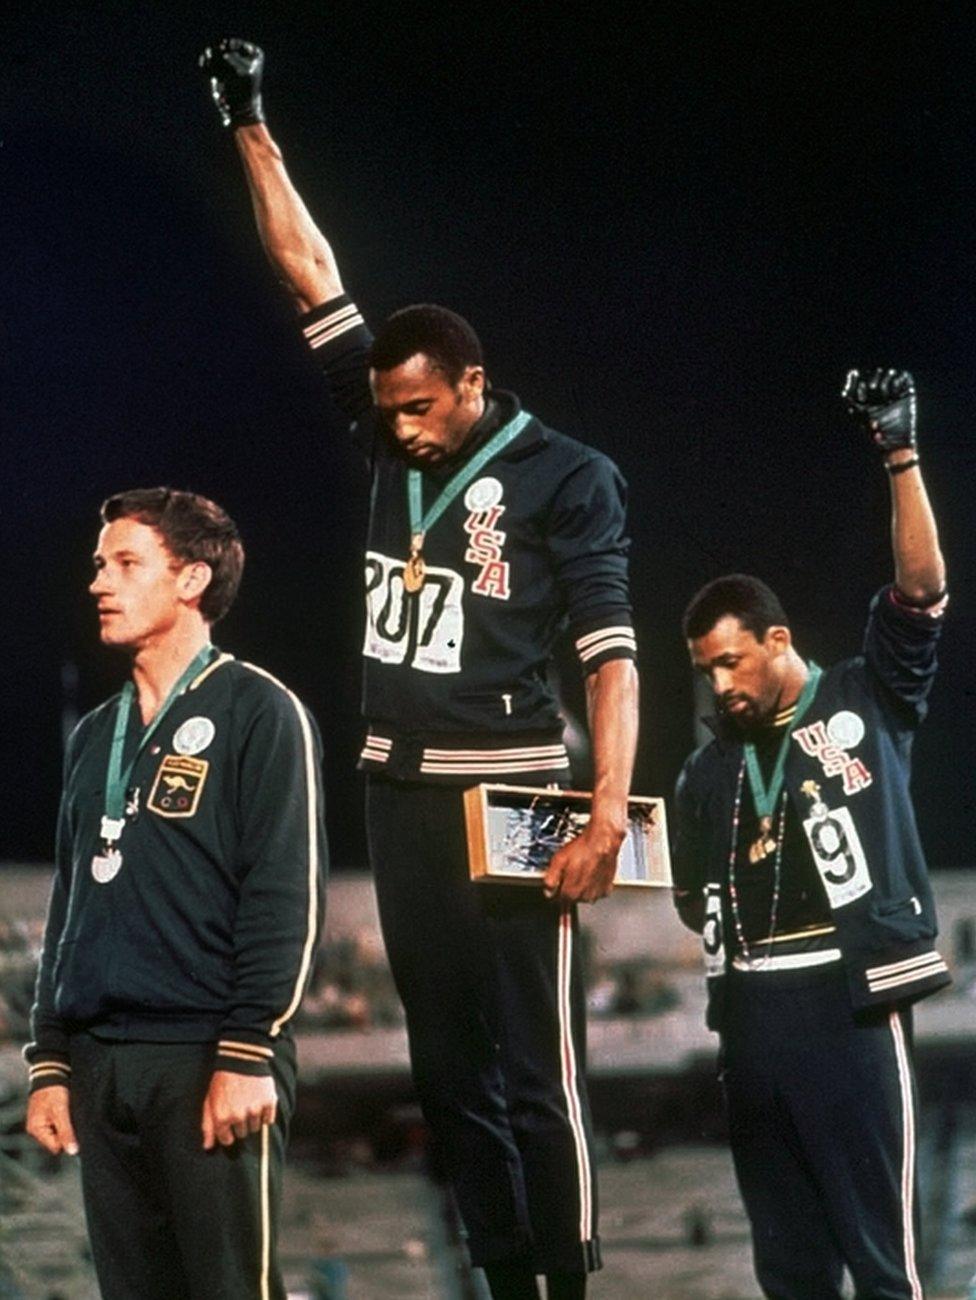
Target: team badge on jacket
[(483, 501), (194, 735), (829, 744), (178, 786)]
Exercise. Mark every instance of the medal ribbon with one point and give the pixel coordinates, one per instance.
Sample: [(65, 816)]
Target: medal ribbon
[(421, 523), (117, 781), (764, 797)]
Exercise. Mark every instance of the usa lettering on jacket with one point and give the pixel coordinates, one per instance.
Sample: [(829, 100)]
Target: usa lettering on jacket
[(816, 743)]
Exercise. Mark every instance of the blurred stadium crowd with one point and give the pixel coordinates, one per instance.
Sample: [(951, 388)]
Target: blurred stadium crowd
[(351, 987)]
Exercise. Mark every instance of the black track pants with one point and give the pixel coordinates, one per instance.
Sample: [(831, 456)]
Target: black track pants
[(491, 982), (821, 1114), (168, 1220)]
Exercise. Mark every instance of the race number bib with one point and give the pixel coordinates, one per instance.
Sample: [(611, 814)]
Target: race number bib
[(838, 855), (424, 631), (713, 942)]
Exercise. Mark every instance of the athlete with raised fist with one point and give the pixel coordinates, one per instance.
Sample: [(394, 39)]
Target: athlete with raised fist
[(488, 531), (798, 860)]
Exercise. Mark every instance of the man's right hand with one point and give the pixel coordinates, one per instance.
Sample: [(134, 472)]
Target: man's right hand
[(235, 68), (49, 1120)]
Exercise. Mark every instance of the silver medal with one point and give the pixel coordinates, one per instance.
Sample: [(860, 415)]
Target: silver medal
[(106, 866)]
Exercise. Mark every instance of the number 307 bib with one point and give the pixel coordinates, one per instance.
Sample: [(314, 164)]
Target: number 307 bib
[(838, 856), (425, 630)]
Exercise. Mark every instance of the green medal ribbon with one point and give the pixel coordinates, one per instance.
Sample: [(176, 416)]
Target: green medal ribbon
[(765, 797), (117, 781), (421, 523)]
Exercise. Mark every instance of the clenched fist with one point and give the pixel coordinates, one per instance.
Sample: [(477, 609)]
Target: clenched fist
[(884, 403), (235, 68)]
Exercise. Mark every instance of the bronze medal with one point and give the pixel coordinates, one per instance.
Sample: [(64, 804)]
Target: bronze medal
[(765, 842)]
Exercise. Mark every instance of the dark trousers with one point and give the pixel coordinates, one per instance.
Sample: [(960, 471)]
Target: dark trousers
[(168, 1220), (490, 979), (821, 1113)]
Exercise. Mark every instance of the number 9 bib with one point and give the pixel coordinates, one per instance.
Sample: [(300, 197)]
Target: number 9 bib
[(838, 855)]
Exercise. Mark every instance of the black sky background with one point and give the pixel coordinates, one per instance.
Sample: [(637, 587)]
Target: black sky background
[(674, 234)]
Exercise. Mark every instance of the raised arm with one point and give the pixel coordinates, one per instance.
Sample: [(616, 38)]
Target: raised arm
[(885, 404), (297, 250)]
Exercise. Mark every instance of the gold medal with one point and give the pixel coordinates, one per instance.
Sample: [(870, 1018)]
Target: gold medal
[(413, 570), (765, 842)]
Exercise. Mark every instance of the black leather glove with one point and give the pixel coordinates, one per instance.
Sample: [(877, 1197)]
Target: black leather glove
[(884, 403), (235, 68)]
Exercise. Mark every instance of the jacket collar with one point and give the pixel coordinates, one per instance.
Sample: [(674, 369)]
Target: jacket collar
[(532, 437), (723, 731), (500, 407)]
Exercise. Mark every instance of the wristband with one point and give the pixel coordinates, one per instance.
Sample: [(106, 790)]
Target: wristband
[(918, 602), (901, 466)]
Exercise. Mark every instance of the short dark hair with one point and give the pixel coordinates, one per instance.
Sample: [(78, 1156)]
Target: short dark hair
[(756, 606), (193, 529), (442, 335)]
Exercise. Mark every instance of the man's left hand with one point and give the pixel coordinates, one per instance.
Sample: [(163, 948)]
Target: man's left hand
[(583, 870), (884, 402), (236, 1105)]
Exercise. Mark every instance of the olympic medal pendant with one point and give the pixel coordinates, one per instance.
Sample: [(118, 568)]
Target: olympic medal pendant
[(413, 570), (106, 865), (764, 844)]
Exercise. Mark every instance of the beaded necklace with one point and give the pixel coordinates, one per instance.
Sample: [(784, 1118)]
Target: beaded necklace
[(777, 872)]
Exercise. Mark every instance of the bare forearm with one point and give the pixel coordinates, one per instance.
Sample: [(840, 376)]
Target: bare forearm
[(297, 250), (582, 870), (612, 696), (919, 566)]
